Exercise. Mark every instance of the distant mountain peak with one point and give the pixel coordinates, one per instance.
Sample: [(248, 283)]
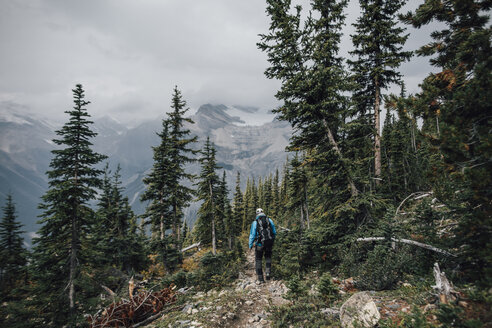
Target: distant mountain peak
[(214, 116)]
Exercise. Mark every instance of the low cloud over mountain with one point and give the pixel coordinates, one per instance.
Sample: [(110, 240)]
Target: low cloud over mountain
[(248, 140)]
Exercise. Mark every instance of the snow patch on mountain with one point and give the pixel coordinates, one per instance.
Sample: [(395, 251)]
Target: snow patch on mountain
[(250, 116)]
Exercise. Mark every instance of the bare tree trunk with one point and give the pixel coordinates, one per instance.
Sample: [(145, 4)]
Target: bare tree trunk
[(176, 222), (214, 248), (377, 136), (331, 138), (306, 207), (73, 262), (302, 216)]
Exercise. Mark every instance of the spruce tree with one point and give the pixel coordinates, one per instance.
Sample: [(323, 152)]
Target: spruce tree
[(378, 53), (60, 251), (314, 83), (207, 190), (298, 181), (121, 243), (458, 100), (238, 206), (180, 195), (13, 259), (159, 211)]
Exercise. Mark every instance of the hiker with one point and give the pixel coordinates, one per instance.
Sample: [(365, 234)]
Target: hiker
[(262, 236)]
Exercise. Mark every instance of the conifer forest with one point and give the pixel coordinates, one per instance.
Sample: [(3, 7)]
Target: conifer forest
[(384, 193)]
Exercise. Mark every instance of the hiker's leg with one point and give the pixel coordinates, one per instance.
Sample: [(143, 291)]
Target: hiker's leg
[(258, 262), (268, 261)]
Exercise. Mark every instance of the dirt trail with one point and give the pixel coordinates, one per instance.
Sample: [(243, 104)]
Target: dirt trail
[(257, 298)]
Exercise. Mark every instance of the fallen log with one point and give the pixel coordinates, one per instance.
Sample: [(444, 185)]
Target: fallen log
[(191, 246), (410, 242)]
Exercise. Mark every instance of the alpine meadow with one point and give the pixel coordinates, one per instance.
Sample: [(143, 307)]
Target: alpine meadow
[(350, 203)]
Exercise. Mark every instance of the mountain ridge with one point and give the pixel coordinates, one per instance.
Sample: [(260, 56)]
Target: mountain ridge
[(252, 150)]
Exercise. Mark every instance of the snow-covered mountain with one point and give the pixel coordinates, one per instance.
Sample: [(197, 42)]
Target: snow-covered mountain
[(248, 140)]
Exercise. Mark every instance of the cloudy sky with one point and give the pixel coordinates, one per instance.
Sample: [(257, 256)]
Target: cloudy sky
[(129, 54)]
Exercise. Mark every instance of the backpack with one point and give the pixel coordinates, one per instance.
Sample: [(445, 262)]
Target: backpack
[(264, 231)]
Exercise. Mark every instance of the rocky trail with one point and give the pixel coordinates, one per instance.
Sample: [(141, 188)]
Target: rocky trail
[(245, 304)]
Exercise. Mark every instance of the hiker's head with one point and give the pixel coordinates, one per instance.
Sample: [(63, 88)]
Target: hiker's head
[(259, 211)]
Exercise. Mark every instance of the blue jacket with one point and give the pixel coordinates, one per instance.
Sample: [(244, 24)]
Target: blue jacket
[(252, 232)]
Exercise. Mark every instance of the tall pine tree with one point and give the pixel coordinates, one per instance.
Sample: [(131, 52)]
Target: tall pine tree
[(208, 193), (458, 100), (13, 259), (378, 53), (60, 251), (180, 195)]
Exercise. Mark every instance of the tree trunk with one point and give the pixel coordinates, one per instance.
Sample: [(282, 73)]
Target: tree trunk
[(214, 249), (331, 138), (306, 208), (377, 138), (302, 215), (73, 263)]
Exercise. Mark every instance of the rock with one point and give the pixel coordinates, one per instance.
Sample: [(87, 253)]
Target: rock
[(463, 304), (249, 303), (406, 284), (359, 311), (187, 308), (429, 307), (222, 293), (199, 295), (194, 311), (332, 313)]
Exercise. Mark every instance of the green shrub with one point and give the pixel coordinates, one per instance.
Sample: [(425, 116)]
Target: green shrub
[(327, 289), (382, 269), (296, 287)]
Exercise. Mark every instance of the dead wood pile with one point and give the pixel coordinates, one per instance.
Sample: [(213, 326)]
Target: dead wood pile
[(127, 313)]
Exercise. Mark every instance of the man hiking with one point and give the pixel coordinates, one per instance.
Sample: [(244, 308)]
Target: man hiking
[(262, 235)]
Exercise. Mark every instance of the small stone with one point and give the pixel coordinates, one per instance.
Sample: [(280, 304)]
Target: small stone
[(187, 308), (463, 304), (407, 285), (194, 311), (334, 313), (429, 307), (219, 308), (249, 303)]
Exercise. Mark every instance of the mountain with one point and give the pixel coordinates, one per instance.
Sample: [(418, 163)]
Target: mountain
[(248, 140)]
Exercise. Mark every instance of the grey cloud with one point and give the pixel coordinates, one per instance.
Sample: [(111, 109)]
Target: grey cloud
[(129, 54)]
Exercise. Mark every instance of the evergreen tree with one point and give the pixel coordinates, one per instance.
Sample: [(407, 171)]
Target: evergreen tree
[(158, 185), (298, 181), (458, 100), (61, 250), (249, 205), (159, 211), (238, 206), (180, 195), (13, 257), (313, 79), (378, 51), (121, 243), (208, 184), (223, 227), (275, 208)]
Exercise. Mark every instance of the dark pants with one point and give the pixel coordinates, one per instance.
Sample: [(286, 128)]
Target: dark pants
[(259, 252)]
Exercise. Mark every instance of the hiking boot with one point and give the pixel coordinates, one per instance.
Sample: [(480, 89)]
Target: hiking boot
[(267, 277), (260, 282)]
